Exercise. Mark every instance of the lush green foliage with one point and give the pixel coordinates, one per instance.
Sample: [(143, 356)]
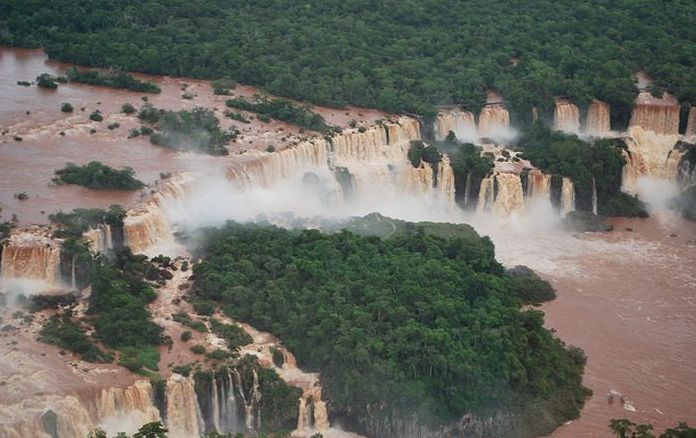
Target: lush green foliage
[(623, 428), (96, 175), (428, 325), (418, 152), (601, 160), (393, 55), (119, 297), (66, 107), (282, 109), (234, 335), (63, 331), (196, 130), (110, 78), (530, 288)]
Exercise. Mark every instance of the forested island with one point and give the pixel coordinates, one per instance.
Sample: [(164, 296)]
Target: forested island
[(415, 328), (394, 55)]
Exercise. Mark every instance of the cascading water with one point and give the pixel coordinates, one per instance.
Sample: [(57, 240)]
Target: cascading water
[(33, 256), (660, 115), (100, 238), (649, 154), (594, 196), (598, 121), (566, 116), (494, 122), (461, 123), (567, 196), (690, 132)]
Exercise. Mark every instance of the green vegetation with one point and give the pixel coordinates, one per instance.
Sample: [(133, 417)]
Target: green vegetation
[(119, 297), (281, 109), (110, 78), (397, 56), (96, 175), (601, 160), (45, 80), (66, 107), (198, 349), (222, 87), (418, 152), (196, 130), (185, 319), (127, 108), (234, 335), (63, 331), (530, 288), (469, 168), (24, 83), (419, 324), (186, 335), (96, 116), (623, 428)]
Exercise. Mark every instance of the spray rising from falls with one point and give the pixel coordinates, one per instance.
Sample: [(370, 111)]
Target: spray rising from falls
[(461, 123)]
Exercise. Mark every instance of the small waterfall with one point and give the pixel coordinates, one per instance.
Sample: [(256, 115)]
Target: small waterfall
[(691, 123), (567, 196), (494, 120), (461, 123), (100, 238), (132, 406), (502, 194), (649, 154), (539, 186), (73, 279), (27, 255), (184, 418), (467, 189), (659, 115), (594, 196), (566, 116), (598, 118)]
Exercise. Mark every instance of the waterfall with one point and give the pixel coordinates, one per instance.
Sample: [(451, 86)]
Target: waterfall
[(184, 418), (598, 118), (649, 154), (567, 196), (659, 115), (594, 196), (539, 186), (691, 123), (494, 121), (28, 255), (461, 123), (100, 238), (566, 116), (501, 193), (125, 409), (146, 224)]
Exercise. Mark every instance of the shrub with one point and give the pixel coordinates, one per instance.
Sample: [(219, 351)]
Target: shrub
[(96, 116), (270, 148), (21, 196), (204, 307), (66, 107), (62, 331), (111, 78), (133, 133), (24, 83), (46, 80), (145, 130), (127, 108), (198, 349), (186, 336), (113, 126)]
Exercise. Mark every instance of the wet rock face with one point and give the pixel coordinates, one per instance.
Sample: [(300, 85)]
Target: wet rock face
[(49, 420)]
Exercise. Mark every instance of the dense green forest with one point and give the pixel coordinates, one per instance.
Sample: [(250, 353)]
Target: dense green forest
[(394, 55), (96, 175), (418, 324), (598, 160)]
